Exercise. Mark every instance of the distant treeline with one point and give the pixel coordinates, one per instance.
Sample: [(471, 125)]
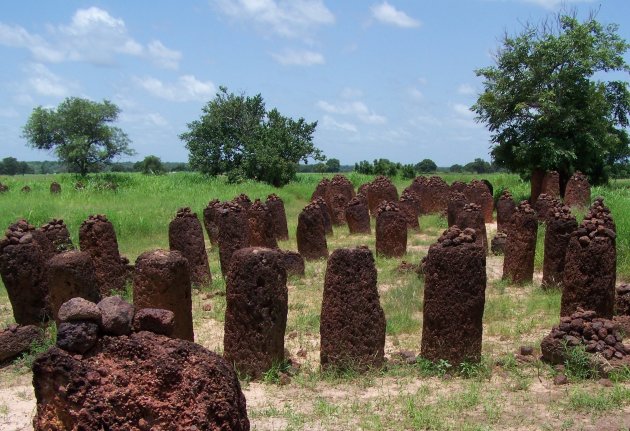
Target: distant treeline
[(12, 166)]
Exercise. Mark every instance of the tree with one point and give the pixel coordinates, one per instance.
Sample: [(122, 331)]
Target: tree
[(150, 165), (543, 106), (478, 166), (456, 168), (426, 166), (408, 172), (333, 165), (237, 136), (79, 132), (364, 167), (9, 166)]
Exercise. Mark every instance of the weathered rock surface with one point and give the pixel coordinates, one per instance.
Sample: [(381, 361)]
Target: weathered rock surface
[(560, 225), (261, 227), (578, 191), (156, 320), (233, 232), (391, 230), (520, 249), (186, 236), (16, 339), (311, 237), (278, 216), (116, 315), (358, 216), (505, 209)]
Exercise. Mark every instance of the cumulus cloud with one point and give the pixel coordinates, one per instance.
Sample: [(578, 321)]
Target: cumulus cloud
[(92, 36), (151, 119), (187, 88), (466, 89), (330, 123), (299, 58), (286, 18), (44, 82), (415, 93), (388, 14), (356, 109), (463, 110)]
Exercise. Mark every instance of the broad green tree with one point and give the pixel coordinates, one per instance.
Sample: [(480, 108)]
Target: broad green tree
[(150, 165), (237, 136), (546, 104), (426, 166), (80, 133)]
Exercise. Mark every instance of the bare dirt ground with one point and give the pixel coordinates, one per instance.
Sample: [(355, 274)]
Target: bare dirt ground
[(510, 394)]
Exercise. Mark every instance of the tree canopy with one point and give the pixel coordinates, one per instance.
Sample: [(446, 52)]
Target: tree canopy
[(544, 105), (79, 133), (150, 165), (426, 166), (237, 136)]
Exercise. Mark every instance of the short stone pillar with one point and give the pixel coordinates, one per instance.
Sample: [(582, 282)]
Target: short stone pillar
[(471, 217), (381, 190), (23, 271), (560, 225), (98, 237), (311, 237), (578, 191), (364, 189), (55, 187), (434, 197), (161, 279), (543, 205), (352, 324), (58, 236), (186, 236), (256, 311), (339, 193), (210, 222), (70, 275), (278, 216), (456, 202), (321, 190), (261, 228), (590, 270), (478, 192), (293, 262), (551, 184), (391, 230), (454, 298), (409, 204), (233, 232), (358, 216), (323, 208), (520, 249), (505, 209)]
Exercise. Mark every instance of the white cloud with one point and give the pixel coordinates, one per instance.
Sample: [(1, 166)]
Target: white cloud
[(351, 93), (151, 119), (299, 58), (415, 94), (554, 4), (92, 36), (330, 123), (357, 109), (186, 89), (388, 14), (466, 89), (463, 110), (43, 82), (287, 18)]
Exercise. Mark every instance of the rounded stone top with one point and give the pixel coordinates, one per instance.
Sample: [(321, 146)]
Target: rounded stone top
[(312, 206), (387, 207), (506, 195), (259, 206), (341, 180), (420, 180), (561, 212), (160, 256), (213, 203), (381, 181), (79, 309), (357, 200), (53, 224), (480, 185), (579, 176), (319, 200), (457, 196), (454, 236), (242, 200), (68, 257), (227, 207), (93, 218), (408, 196), (274, 197), (434, 181), (470, 207), (525, 208), (17, 233), (185, 212), (593, 228)]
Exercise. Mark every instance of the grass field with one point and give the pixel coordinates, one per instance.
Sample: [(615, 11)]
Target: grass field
[(500, 393)]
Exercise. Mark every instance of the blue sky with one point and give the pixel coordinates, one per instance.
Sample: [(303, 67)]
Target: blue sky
[(388, 79)]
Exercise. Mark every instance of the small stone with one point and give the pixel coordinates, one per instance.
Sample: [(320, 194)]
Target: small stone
[(79, 309), (560, 379), (284, 379), (207, 307), (606, 382), (559, 368), (156, 320), (117, 315), (77, 336), (527, 350)]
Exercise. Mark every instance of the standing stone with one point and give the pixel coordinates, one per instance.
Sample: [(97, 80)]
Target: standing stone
[(261, 229), (551, 184), (520, 250), (243, 200), (478, 193), (456, 203), (458, 186), (278, 216), (26, 189), (97, 237), (339, 193), (23, 271), (337, 203), (409, 204), (256, 311), (544, 204), (55, 187), (364, 189), (358, 216), (321, 190), (186, 236), (16, 339), (71, 275), (381, 190), (601, 212), (293, 262), (58, 237), (590, 270), (210, 221), (391, 230), (470, 217), (505, 209), (233, 232), (323, 208), (311, 238), (560, 225), (352, 324), (454, 298), (162, 280), (435, 197), (578, 191)]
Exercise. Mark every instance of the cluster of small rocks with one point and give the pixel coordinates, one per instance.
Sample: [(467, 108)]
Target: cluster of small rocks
[(601, 212), (82, 322), (544, 204), (593, 229), (243, 200), (597, 335), (454, 236), (185, 212), (19, 232)]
